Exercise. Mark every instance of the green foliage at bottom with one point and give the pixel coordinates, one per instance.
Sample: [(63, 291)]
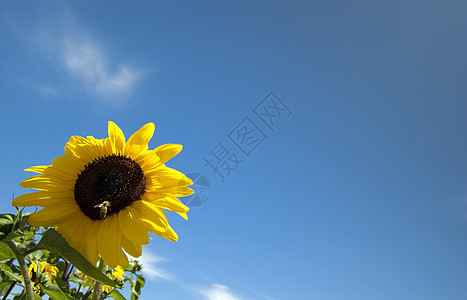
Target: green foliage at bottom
[(55, 269)]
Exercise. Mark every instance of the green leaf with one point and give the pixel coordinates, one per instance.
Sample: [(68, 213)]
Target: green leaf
[(51, 240), (63, 285), (5, 252), (20, 227), (140, 280), (6, 224), (116, 295), (136, 288), (37, 255), (54, 292), (9, 272), (20, 220)]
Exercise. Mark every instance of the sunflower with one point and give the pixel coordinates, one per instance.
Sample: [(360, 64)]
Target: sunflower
[(107, 194)]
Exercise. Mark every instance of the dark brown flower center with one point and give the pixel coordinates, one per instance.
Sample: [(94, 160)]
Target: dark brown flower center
[(107, 185)]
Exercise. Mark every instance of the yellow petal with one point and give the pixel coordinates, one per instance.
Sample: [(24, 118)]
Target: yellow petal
[(150, 161), (77, 229), (53, 215), (78, 148), (131, 227), (117, 138), (134, 249), (61, 173), (139, 140), (91, 250), (55, 178), (76, 140), (166, 177), (88, 241), (167, 151), (69, 230), (108, 146), (68, 164), (37, 169), (98, 145), (87, 149), (165, 201), (183, 215), (177, 191), (153, 218), (170, 234), (42, 182), (81, 233), (43, 198), (109, 243)]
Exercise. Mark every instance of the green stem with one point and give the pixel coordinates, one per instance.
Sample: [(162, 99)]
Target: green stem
[(24, 269), (97, 291)]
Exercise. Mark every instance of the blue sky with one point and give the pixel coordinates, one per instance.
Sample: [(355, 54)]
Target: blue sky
[(358, 193)]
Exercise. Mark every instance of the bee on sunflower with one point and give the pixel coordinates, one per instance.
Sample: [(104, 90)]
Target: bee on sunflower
[(105, 195)]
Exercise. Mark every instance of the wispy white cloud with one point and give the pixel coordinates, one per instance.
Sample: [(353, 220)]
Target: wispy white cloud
[(66, 58), (218, 292), (86, 61), (151, 269)]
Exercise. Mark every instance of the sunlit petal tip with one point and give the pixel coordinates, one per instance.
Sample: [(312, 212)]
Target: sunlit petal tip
[(35, 182), (188, 181), (37, 169), (116, 137), (184, 215), (75, 140), (124, 262), (139, 140), (151, 127), (171, 234), (167, 151), (113, 129), (184, 191), (112, 124), (24, 200)]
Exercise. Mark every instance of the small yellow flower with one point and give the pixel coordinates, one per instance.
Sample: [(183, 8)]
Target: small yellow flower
[(32, 270), (45, 268), (32, 267), (119, 273), (106, 288), (48, 269)]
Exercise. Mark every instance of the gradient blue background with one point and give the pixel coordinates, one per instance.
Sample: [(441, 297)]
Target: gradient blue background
[(359, 194)]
